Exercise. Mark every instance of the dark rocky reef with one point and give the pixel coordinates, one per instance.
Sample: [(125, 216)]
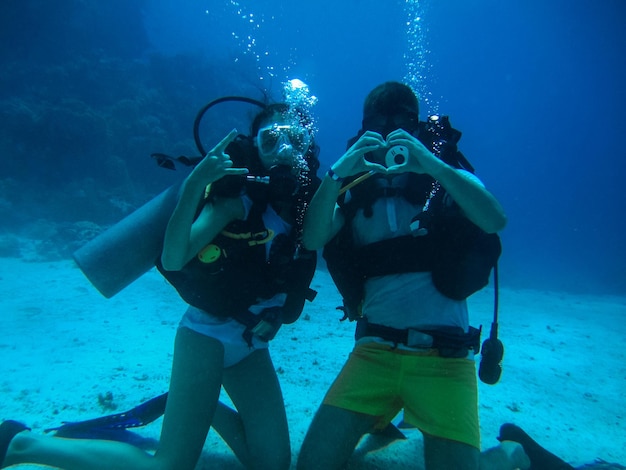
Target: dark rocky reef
[(84, 101)]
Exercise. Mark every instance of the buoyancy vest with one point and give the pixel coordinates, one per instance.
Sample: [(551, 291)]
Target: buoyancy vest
[(457, 253), (234, 272)]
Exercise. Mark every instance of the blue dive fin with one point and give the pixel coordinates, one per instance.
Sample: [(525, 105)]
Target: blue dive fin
[(141, 415)]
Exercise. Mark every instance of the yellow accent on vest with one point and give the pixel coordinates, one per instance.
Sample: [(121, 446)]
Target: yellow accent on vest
[(258, 238), (209, 254)]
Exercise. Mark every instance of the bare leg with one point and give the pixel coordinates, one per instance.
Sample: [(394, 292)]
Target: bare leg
[(332, 438), (194, 391), (444, 454), (193, 395), (258, 431), (228, 424)]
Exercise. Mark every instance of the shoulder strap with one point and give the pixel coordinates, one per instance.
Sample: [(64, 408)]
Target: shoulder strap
[(415, 188)]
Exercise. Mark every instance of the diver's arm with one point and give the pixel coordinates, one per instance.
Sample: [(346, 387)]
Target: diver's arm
[(323, 218), (478, 204), (185, 234)]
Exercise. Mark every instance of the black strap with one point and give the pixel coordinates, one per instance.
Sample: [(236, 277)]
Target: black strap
[(496, 298), (395, 335), (449, 340), (492, 350)]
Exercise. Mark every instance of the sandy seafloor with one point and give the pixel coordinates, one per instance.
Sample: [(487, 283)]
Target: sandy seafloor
[(63, 345)]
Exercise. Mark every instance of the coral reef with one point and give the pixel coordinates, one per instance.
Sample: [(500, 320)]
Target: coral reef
[(84, 101)]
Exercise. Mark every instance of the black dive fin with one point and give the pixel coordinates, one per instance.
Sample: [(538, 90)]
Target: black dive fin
[(169, 163), (390, 432), (380, 439), (138, 416), (540, 458)]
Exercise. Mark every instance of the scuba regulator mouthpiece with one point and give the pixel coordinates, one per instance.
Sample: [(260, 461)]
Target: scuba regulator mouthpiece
[(283, 183), (258, 179), (492, 352)]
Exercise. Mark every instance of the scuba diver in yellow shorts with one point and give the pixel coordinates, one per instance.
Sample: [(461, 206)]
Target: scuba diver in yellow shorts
[(409, 232)]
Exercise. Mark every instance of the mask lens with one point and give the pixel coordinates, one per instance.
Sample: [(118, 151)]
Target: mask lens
[(386, 124), (406, 121), (375, 123), (299, 138), (270, 138)]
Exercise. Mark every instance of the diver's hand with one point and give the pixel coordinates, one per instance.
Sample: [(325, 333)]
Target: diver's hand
[(216, 164), (353, 161), (420, 160)]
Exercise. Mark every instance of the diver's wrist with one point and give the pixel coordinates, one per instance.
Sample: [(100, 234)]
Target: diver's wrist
[(334, 176)]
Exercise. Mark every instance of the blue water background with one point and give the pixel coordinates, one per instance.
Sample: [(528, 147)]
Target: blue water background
[(90, 89)]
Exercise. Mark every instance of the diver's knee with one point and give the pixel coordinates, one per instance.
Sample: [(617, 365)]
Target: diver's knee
[(271, 460), (310, 458), (20, 447)]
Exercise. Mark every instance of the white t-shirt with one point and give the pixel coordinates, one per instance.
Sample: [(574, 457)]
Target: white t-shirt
[(406, 300)]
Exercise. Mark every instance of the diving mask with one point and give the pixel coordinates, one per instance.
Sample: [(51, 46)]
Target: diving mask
[(274, 139), (385, 124)]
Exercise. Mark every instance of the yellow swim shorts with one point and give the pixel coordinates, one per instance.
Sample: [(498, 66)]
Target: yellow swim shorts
[(439, 395)]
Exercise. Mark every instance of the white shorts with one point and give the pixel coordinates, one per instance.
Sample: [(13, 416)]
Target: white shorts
[(226, 330)]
